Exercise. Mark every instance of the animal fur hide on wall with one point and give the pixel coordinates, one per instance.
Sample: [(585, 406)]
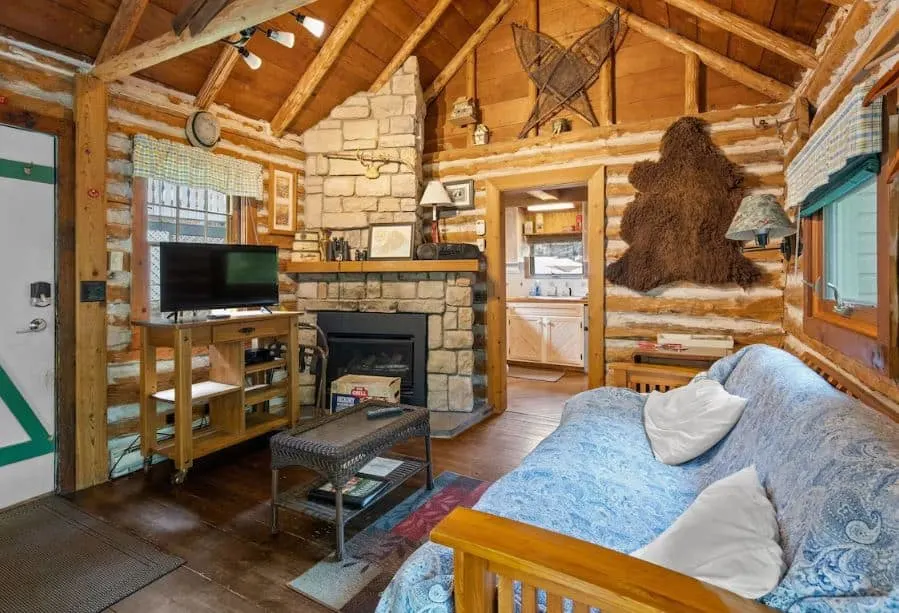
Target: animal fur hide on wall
[(676, 224)]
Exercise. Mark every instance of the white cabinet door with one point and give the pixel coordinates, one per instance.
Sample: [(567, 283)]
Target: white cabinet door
[(524, 337), (564, 338)]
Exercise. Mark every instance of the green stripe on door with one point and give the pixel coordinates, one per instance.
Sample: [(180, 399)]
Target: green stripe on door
[(40, 443), (24, 171)]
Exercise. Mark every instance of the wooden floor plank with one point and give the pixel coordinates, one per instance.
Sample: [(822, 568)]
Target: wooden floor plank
[(218, 520)]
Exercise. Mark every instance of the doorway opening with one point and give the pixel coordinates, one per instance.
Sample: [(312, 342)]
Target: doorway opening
[(546, 302)]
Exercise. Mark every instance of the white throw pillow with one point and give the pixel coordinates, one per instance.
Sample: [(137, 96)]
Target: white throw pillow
[(686, 422), (728, 537)]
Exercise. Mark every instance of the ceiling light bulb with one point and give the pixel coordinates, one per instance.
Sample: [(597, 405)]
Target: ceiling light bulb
[(282, 38), (252, 60), (316, 27)]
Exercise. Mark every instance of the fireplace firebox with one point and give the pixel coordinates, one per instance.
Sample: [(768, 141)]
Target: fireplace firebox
[(382, 344)]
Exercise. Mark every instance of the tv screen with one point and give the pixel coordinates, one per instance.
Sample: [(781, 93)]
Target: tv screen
[(198, 276)]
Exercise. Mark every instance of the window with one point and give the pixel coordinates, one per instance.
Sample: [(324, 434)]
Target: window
[(176, 213), (850, 248), (557, 258)]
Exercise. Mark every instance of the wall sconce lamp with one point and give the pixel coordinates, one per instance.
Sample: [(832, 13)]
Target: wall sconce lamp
[(761, 218)]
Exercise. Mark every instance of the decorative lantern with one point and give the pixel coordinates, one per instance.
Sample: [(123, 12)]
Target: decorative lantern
[(481, 135)]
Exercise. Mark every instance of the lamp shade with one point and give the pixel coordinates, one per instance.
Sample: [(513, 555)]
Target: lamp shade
[(435, 195), (760, 216)]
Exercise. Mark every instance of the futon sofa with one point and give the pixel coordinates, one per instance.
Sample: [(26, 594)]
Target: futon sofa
[(830, 466)]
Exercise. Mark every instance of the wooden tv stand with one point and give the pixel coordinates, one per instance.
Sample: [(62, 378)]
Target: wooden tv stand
[(225, 391)]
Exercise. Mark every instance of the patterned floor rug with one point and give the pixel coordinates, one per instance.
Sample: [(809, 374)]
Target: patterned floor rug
[(373, 556)]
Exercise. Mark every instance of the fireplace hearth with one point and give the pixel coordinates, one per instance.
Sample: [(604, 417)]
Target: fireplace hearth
[(381, 344)]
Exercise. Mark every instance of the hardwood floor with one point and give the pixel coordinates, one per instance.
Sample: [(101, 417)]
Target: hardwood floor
[(218, 520)]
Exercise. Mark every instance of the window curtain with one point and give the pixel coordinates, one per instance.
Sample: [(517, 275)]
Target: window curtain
[(847, 144), (194, 167)]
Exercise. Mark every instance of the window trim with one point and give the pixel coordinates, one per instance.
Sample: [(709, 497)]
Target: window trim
[(868, 335)]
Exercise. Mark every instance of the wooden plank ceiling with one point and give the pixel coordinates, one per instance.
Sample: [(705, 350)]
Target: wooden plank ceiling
[(79, 26)]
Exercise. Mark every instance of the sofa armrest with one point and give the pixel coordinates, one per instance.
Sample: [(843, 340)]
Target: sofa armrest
[(490, 553)]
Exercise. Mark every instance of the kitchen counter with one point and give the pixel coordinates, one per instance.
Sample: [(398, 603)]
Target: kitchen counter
[(548, 299)]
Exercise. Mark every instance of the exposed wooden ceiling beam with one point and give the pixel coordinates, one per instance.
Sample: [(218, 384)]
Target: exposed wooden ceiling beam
[(216, 78), (490, 22), (319, 67), (783, 46), (121, 29), (411, 43), (238, 15), (732, 69), (839, 2)]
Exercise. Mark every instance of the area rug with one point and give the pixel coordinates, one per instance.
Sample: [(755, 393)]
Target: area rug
[(535, 374), (54, 557), (373, 556)]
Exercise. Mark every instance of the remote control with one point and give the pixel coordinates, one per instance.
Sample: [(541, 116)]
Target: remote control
[(383, 412)]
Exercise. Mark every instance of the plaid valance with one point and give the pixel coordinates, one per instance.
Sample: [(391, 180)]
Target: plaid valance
[(852, 133), (194, 167)]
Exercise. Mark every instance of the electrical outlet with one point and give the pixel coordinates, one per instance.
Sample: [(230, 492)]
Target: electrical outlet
[(482, 244)]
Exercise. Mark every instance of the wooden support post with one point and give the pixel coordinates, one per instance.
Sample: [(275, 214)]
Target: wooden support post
[(692, 84), (471, 88), (533, 22), (410, 44), (596, 279), (91, 455), (316, 71), (490, 22), (496, 300), (607, 92)]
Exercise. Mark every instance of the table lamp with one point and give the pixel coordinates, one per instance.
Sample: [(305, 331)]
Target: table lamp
[(760, 217), (435, 196)]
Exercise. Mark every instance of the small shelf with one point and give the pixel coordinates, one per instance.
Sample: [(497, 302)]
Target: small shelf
[(257, 394), (263, 366), (385, 266), (261, 423), (200, 392)]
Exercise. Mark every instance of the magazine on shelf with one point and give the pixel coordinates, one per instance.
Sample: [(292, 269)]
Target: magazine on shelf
[(358, 492), (380, 467)]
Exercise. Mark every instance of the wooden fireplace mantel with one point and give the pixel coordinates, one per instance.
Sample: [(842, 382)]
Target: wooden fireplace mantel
[(385, 266)]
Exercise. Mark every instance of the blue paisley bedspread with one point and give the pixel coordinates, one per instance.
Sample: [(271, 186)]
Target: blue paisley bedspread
[(830, 466)]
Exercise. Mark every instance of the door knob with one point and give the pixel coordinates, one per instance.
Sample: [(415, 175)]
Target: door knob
[(35, 325)]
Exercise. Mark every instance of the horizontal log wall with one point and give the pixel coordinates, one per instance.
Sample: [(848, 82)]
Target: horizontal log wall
[(750, 316), (43, 83)]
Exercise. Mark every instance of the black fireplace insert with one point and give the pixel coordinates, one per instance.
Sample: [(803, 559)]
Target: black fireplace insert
[(381, 344)]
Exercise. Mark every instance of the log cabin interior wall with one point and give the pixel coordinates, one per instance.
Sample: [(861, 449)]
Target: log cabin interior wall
[(858, 37), (43, 83)]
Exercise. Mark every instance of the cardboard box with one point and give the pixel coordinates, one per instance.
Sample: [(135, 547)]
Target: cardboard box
[(350, 390)]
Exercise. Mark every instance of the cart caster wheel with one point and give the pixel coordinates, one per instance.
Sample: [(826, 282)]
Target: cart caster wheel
[(178, 477)]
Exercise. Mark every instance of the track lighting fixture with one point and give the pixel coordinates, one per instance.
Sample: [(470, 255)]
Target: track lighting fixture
[(252, 60), (282, 38), (316, 27)]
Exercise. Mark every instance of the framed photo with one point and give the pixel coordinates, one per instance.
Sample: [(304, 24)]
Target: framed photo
[(461, 193), (282, 201), (390, 241)]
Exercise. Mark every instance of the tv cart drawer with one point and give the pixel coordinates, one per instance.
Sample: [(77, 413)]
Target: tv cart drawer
[(246, 330)]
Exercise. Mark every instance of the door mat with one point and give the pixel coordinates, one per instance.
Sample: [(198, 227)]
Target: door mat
[(535, 374), (373, 556), (54, 557)]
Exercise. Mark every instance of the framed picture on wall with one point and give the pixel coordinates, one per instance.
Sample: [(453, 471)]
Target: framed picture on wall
[(282, 201), (461, 193), (390, 241)]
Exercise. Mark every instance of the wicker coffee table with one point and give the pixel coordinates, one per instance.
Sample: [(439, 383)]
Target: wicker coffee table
[(336, 447)]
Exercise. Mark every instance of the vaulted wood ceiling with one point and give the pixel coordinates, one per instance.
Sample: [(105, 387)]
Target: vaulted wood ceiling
[(79, 26)]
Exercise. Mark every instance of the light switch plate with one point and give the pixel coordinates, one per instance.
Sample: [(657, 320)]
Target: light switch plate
[(480, 227), (116, 261)]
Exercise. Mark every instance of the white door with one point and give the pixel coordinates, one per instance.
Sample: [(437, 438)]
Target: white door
[(27, 329), (565, 340)]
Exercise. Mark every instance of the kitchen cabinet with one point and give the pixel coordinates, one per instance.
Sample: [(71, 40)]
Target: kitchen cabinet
[(546, 333)]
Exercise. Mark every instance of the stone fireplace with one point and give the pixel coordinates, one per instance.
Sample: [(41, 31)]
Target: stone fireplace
[(342, 199)]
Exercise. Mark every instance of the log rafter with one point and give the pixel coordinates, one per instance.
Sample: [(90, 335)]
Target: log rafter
[(316, 71), (732, 69), (217, 77), (490, 22), (238, 15), (747, 29), (121, 29), (411, 43)]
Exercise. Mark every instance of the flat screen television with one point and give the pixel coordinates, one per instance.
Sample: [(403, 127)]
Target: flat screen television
[(200, 276)]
